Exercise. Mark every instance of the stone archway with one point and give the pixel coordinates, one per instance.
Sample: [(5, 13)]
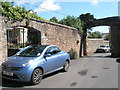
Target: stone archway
[(114, 23)]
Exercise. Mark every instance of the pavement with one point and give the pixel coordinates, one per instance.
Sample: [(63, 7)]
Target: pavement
[(96, 71)]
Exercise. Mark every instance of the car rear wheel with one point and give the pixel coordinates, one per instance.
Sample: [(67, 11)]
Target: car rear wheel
[(66, 66), (36, 76)]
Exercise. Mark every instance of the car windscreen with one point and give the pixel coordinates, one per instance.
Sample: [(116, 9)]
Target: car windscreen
[(31, 51)]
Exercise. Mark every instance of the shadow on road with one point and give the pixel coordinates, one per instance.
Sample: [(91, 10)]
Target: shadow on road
[(100, 56), (9, 83)]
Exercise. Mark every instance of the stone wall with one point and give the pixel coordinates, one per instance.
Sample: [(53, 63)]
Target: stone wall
[(115, 40), (64, 37), (51, 33), (106, 43), (93, 44), (3, 40)]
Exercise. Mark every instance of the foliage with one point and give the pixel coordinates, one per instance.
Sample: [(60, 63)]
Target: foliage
[(16, 12), (16, 45), (94, 34), (85, 18), (107, 37), (54, 19), (73, 22), (73, 54)]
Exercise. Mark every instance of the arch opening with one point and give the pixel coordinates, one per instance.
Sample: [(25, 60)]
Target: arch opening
[(114, 23), (20, 37), (97, 37)]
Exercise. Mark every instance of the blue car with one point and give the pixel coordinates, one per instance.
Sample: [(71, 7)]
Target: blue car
[(32, 62)]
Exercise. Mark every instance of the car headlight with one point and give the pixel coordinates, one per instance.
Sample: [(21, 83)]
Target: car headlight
[(30, 62), (6, 59)]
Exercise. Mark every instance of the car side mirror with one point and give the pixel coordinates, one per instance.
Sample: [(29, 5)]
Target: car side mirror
[(21, 49), (47, 55)]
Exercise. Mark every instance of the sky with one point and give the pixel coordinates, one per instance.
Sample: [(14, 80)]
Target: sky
[(62, 8)]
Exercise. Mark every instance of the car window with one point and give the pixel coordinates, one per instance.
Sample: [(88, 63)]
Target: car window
[(49, 50), (57, 49), (53, 50), (31, 51)]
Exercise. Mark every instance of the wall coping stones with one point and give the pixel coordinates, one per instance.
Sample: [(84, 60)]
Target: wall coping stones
[(56, 24), (94, 39)]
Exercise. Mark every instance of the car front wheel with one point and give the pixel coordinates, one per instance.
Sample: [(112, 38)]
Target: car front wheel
[(66, 66), (36, 76)]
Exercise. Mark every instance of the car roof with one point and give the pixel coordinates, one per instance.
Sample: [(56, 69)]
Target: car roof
[(42, 45)]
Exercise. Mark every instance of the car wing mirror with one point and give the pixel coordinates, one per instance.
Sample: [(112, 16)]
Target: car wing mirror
[(47, 55), (21, 49)]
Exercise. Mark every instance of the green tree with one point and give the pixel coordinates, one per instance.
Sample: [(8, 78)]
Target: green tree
[(96, 34), (11, 12), (54, 19), (85, 18), (73, 22)]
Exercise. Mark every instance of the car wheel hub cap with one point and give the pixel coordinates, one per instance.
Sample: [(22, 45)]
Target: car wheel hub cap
[(37, 76), (66, 65)]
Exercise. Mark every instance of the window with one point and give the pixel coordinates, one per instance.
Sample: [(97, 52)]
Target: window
[(53, 50), (31, 51)]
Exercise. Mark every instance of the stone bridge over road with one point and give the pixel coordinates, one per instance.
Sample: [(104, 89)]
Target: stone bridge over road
[(114, 23)]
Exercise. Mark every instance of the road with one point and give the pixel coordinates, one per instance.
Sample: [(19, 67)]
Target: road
[(96, 71)]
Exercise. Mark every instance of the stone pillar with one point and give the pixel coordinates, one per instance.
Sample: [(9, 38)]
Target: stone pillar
[(3, 40), (115, 40)]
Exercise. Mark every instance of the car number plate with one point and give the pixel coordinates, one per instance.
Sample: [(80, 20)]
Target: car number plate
[(7, 73)]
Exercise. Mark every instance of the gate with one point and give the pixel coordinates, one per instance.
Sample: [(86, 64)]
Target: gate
[(20, 37)]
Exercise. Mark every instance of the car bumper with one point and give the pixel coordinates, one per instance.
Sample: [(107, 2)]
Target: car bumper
[(17, 75)]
